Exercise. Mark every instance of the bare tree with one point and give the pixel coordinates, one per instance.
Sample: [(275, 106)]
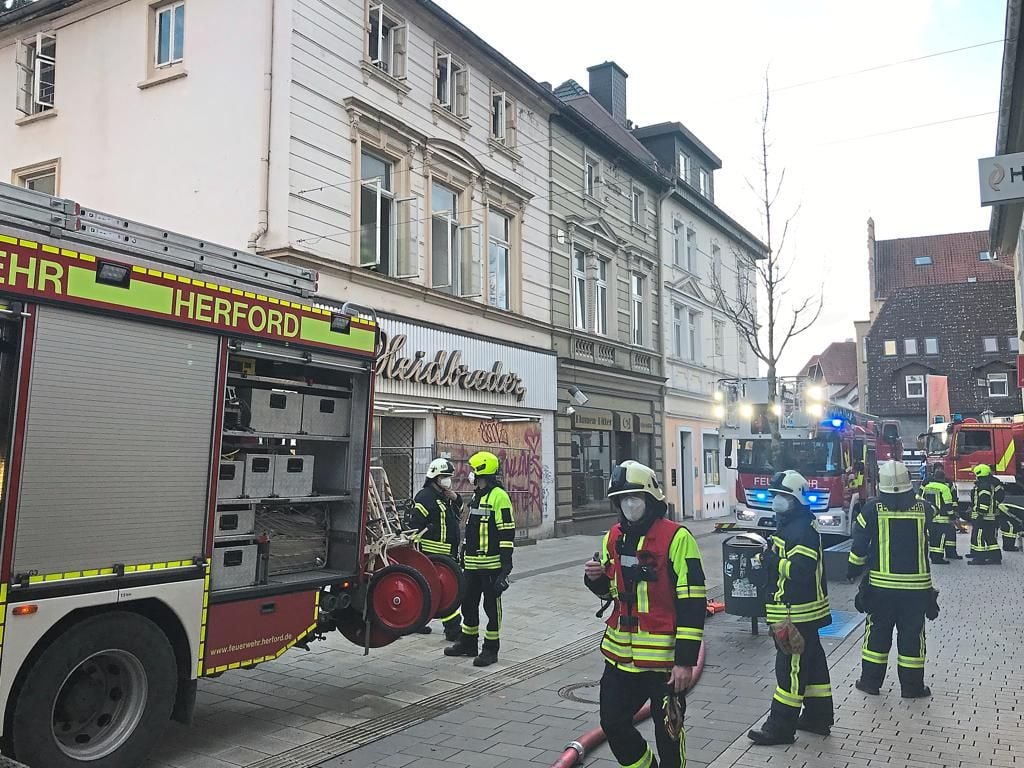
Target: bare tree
[(768, 329)]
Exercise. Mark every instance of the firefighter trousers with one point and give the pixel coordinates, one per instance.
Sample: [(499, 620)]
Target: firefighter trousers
[(938, 539), (802, 682), (481, 583), (1009, 530), (984, 541), (902, 610), (622, 695)]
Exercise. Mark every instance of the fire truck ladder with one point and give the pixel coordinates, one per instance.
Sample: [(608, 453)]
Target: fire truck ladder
[(66, 219)]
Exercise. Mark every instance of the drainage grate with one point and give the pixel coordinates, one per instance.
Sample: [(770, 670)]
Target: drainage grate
[(350, 739), (570, 692)]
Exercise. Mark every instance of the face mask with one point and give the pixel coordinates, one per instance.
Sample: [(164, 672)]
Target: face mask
[(781, 504), (472, 477), (444, 482), (633, 508)]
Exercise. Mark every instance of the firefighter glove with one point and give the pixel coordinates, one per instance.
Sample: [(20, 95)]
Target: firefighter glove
[(932, 611), (501, 581)]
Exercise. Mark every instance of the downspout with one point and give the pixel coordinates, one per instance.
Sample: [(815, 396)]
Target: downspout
[(263, 215)]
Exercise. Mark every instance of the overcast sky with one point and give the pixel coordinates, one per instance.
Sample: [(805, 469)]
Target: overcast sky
[(703, 64)]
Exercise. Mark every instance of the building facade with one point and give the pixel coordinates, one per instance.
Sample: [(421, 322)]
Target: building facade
[(835, 370), (606, 296), (941, 306), (702, 250), (386, 146)]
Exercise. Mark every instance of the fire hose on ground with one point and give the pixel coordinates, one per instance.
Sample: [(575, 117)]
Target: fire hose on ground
[(575, 751)]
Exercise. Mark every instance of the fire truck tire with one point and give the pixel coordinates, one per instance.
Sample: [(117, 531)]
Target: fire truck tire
[(399, 599), (99, 696), (453, 584)]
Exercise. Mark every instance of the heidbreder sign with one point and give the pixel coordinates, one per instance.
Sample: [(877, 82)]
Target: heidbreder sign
[(445, 369)]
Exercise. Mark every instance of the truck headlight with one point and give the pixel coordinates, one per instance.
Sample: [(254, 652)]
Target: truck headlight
[(746, 514), (830, 521)]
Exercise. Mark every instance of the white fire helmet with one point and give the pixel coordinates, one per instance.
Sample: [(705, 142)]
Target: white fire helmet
[(893, 477)]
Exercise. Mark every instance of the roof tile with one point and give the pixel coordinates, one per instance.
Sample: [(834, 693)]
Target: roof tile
[(954, 260)]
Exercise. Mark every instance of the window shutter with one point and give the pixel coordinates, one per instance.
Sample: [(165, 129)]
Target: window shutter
[(369, 257), (45, 69), (377, 15), (407, 222), (510, 123), (470, 284), (462, 92), (26, 76), (498, 115), (440, 251), (400, 43)]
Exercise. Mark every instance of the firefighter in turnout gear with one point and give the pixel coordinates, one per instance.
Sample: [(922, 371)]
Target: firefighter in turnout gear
[(487, 559), (436, 512), (794, 572), (651, 568), (941, 531), (889, 539), (1011, 524), (986, 499)]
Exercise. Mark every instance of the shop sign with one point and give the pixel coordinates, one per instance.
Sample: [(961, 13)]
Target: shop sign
[(444, 369), (592, 418), (623, 422), (645, 425)]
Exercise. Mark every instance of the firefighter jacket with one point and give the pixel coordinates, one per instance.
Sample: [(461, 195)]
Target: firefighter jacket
[(490, 531), (938, 494), (440, 516), (795, 576), (986, 498), (891, 541), (656, 579)]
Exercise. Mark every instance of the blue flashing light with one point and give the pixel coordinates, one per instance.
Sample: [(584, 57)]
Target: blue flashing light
[(837, 423), (761, 496), (812, 499), (957, 417)]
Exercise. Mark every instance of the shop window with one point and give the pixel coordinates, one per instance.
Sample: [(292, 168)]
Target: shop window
[(591, 459)]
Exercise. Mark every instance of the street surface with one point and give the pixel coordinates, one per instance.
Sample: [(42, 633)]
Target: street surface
[(407, 706)]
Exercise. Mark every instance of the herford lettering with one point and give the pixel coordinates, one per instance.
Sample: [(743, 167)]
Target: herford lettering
[(445, 370)]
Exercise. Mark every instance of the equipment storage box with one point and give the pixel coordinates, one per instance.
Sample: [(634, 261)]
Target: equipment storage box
[(230, 480), (234, 520), (271, 410), (298, 537), (234, 566), (293, 476), (325, 415), (259, 475)]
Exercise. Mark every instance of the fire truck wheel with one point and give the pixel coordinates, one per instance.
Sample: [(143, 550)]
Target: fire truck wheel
[(453, 584), (399, 599), (100, 695)]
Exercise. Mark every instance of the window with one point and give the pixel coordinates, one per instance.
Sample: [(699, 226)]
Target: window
[(691, 248), (716, 264), (1013, 343), (452, 84), (503, 118), (388, 41), (677, 330), (705, 183), (719, 338), (910, 346), (591, 172), (712, 460), (973, 440), (922, 261), (376, 212), (639, 209), (678, 246), (931, 346), (692, 335), (39, 178), (984, 256), (170, 34), (637, 283), (972, 279), (684, 166), (37, 69), (890, 347), (998, 385), (454, 249), (915, 385), (741, 351), (499, 247), (579, 289), (601, 298), (990, 344)]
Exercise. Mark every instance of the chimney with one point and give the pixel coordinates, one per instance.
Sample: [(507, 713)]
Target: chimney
[(608, 86)]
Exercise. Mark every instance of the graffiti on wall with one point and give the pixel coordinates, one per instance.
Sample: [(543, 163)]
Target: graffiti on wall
[(516, 444)]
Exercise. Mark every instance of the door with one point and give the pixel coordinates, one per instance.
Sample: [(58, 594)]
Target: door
[(685, 475), (973, 446)]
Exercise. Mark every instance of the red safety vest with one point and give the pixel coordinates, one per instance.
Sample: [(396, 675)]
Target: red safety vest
[(641, 630)]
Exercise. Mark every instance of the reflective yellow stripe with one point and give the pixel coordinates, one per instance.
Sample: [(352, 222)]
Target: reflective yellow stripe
[(818, 691), (1004, 462), (787, 698), (857, 559), (644, 762), (685, 592), (689, 633), (874, 657), (800, 549), (435, 547), (911, 662)]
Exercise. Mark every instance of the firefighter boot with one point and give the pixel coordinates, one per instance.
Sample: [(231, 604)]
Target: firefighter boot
[(769, 737), (488, 656), (867, 686), (466, 646), (912, 684), (808, 724), (452, 630)]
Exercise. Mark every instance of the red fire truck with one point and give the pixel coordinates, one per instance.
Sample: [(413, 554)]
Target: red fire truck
[(821, 440), (184, 441), (963, 443)]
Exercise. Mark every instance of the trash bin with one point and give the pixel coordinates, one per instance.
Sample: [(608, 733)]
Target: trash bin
[(742, 596)]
